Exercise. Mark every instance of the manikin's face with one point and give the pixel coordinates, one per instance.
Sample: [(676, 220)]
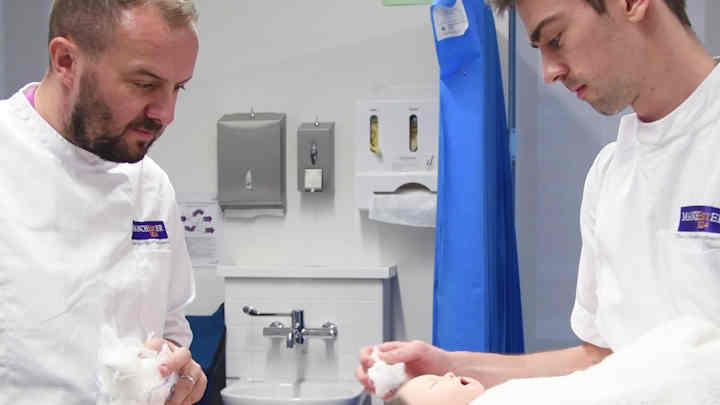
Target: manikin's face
[(594, 55), (126, 97), (440, 390)]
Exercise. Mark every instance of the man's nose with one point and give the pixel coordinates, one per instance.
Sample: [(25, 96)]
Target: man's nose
[(553, 69), (162, 108)]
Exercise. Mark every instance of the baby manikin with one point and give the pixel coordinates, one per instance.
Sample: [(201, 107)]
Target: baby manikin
[(129, 372), (392, 381), (429, 389)]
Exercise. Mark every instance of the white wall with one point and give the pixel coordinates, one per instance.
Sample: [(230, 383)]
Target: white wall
[(304, 59), (558, 138), (317, 58), (307, 59)]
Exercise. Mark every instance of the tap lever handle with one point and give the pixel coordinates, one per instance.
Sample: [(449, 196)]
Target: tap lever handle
[(254, 312)]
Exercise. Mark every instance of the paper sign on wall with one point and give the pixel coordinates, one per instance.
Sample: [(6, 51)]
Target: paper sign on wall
[(201, 220)]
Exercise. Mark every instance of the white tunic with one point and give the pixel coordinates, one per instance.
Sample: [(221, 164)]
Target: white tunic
[(650, 224), (84, 242), (672, 364)]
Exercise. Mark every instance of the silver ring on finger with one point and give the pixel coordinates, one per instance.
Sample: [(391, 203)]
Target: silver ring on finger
[(189, 378)]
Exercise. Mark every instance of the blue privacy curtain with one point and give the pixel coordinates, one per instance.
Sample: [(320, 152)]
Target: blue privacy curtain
[(477, 294)]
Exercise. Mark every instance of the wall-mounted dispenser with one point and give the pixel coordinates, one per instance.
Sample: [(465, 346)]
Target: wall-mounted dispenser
[(316, 156), (396, 148), (251, 164)]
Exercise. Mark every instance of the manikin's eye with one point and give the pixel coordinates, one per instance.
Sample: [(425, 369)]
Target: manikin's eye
[(463, 381)]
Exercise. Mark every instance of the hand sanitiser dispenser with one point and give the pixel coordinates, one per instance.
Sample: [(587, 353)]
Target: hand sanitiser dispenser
[(396, 160), (251, 164)]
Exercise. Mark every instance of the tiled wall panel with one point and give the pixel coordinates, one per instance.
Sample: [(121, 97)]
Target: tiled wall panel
[(355, 305)]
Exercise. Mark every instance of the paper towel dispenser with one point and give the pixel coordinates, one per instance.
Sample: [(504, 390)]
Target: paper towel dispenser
[(396, 145), (251, 162)]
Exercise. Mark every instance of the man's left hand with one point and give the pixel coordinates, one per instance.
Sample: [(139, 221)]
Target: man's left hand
[(191, 383)]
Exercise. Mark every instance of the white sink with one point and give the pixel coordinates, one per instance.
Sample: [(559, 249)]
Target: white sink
[(303, 393)]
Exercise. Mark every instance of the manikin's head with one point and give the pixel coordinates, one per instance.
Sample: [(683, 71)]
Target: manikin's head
[(119, 65), (598, 49), (429, 389)]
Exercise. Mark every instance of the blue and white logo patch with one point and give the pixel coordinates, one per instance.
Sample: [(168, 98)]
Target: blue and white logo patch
[(149, 230), (699, 218)]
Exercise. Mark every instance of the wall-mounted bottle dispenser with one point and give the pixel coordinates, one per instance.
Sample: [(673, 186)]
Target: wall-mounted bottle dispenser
[(316, 157)]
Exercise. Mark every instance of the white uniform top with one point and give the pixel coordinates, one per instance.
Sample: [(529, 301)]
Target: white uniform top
[(85, 242), (650, 224)]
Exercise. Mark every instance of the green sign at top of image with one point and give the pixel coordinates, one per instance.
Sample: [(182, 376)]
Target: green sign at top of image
[(405, 2)]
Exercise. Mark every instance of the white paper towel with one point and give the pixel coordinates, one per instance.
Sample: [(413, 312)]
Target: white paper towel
[(386, 378), (129, 372), (411, 207)]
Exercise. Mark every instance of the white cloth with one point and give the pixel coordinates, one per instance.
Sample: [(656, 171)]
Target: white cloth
[(636, 268), (129, 372), (675, 363), (69, 263), (386, 377)]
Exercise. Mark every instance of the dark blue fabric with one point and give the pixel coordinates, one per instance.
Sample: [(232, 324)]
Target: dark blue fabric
[(207, 334), (477, 293), (207, 350)]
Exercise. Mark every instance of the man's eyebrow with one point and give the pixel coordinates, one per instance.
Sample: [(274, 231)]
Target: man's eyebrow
[(153, 75), (537, 32), (149, 73)]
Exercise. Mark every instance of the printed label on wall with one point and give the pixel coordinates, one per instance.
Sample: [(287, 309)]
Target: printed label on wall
[(404, 163)]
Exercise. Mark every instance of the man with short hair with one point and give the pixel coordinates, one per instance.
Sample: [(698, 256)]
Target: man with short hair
[(650, 216), (93, 233)]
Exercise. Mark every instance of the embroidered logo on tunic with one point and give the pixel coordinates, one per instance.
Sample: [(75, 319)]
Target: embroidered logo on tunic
[(699, 218), (149, 230)]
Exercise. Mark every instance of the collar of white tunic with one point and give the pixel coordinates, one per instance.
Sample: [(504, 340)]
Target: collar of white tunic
[(693, 112)]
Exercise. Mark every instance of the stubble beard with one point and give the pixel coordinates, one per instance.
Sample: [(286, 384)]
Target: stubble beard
[(615, 100), (90, 122)]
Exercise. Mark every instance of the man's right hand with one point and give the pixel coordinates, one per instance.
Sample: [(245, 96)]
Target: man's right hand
[(419, 358)]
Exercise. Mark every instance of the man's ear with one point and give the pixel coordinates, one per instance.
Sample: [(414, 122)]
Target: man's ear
[(636, 10), (64, 55)]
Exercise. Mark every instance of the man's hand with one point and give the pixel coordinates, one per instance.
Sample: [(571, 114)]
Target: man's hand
[(191, 383), (419, 358)]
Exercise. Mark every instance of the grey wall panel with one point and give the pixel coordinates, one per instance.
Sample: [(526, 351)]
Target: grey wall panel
[(3, 56), (25, 42), (712, 27)]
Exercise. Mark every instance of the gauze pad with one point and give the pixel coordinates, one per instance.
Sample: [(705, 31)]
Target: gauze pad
[(385, 377), (129, 373)]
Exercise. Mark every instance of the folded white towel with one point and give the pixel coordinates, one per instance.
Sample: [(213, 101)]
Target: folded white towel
[(385, 377)]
